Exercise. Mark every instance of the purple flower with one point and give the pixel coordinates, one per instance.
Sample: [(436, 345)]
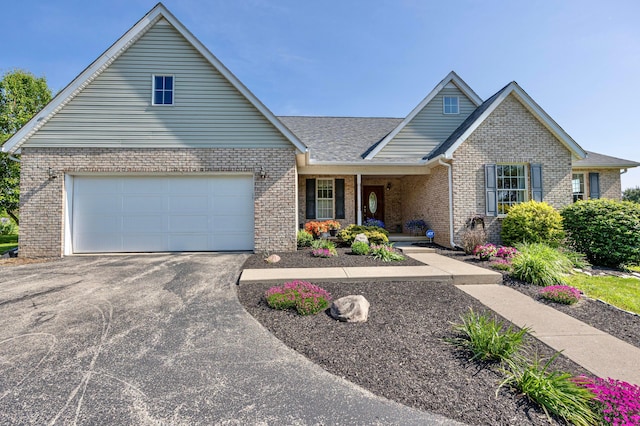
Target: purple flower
[(620, 401)]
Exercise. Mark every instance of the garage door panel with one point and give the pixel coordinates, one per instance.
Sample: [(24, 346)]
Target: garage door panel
[(143, 223), (185, 213), (142, 203), (144, 242), (188, 223), (188, 203), (142, 185), (188, 242)]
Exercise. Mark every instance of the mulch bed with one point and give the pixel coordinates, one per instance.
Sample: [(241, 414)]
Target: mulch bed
[(303, 259), (400, 353)]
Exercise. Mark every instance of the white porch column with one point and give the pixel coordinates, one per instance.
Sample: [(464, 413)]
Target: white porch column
[(359, 197)]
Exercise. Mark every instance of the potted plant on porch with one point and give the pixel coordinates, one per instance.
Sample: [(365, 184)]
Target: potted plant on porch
[(416, 226)]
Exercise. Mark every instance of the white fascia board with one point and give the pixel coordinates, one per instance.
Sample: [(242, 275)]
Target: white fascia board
[(534, 108), (112, 53), (451, 77)]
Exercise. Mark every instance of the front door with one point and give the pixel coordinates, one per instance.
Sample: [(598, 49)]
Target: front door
[(373, 202)]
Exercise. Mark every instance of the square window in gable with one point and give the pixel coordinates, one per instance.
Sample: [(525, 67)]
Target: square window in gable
[(450, 105), (162, 90)]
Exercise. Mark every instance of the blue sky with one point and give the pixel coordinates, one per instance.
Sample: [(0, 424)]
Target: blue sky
[(580, 60)]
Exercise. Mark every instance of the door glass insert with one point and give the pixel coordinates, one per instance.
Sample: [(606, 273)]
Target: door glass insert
[(373, 202)]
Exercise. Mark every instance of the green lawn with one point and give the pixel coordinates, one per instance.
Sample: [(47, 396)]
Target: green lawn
[(7, 242), (621, 292)]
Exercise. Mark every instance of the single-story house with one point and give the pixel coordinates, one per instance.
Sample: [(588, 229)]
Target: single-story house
[(156, 146)]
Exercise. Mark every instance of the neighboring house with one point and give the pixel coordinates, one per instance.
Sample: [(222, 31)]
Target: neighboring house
[(156, 146)]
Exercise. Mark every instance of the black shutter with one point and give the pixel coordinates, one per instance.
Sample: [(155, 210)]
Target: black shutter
[(536, 182), (339, 198), (311, 199), (491, 189), (594, 186)]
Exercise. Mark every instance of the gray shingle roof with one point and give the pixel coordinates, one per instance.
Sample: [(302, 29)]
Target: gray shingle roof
[(595, 160), (339, 139)]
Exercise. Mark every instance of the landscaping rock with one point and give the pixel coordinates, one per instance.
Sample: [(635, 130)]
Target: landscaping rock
[(274, 258), (354, 308), (361, 237)]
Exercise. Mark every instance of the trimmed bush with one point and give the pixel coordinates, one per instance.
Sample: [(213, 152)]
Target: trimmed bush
[(540, 264), (606, 231), (304, 238), (532, 222), (375, 234), (360, 248)]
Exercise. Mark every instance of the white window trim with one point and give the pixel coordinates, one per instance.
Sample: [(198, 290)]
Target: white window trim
[(585, 193), (527, 195), (333, 199), (444, 111), (153, 90)]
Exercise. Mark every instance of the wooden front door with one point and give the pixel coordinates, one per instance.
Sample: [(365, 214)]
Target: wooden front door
[(373, 202)]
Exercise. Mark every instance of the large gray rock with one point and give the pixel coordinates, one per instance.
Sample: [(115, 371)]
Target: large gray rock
[(361, 237), (354, 308), (274, 258)]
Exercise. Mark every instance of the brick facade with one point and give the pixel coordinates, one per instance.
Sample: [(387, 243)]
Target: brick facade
[(610, 183), (511, 134), (42, 197)]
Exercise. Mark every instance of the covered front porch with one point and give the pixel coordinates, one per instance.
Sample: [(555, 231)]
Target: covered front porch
[(392, 198)]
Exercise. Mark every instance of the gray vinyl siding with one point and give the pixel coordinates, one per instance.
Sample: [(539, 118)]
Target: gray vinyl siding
[(429, 127), (115, 109)]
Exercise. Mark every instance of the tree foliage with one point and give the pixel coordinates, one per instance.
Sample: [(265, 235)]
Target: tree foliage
[(631, 194), (22, 95)]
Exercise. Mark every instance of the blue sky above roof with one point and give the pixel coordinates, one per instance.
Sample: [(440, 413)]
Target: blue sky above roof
[(579, 60)]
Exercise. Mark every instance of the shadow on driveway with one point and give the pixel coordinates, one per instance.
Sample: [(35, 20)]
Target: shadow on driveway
[(158, 339)]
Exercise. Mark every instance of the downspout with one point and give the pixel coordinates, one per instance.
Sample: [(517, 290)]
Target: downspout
[(12, 158), (624, 171), (450, 175)]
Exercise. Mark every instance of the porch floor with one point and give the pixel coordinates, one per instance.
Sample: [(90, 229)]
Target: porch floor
[(406, 238)]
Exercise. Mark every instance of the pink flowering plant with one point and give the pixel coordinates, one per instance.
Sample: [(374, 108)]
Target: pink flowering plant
[(323, 252), (506, 252), (561, 294), (305, 297), (501, 264), (618, 402), (485, 251)]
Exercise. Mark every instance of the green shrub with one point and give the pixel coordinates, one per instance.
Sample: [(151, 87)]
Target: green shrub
[(7, 227), (606, 231), (578, 259), (556, 392), (486, 338), (532, 222), (322, 244), (375, 234), (360, 248), (540, 264), (386, 253), (304, 238)]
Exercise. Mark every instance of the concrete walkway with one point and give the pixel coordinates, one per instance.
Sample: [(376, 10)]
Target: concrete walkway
[(595, 350), (436, 268)]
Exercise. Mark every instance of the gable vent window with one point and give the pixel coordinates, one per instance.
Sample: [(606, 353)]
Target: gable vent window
[(163, 90), (450, 105)]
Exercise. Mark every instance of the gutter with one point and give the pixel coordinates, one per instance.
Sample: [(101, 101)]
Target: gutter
[(450, 175)]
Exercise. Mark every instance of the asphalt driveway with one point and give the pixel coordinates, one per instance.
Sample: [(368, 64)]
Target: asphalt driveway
[(158, 339)]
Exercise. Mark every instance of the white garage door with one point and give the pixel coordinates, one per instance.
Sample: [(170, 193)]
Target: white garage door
[(155, 214)]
